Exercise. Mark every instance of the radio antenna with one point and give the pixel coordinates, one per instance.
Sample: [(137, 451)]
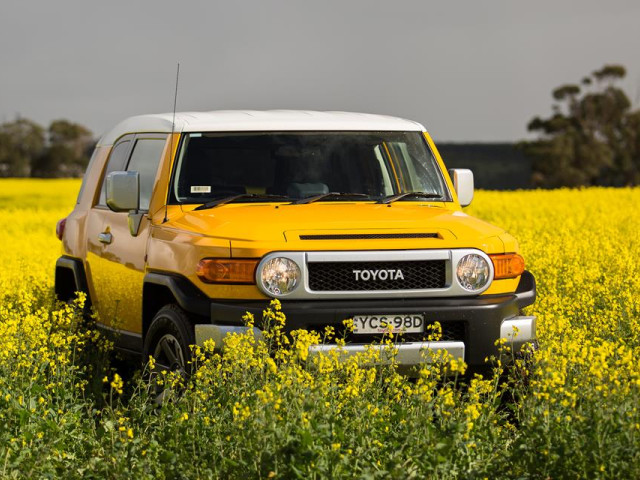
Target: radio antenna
[(173, 127)]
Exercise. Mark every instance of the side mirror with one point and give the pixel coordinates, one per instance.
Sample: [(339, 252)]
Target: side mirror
[(463, 184), (123, 195), (123, 191)]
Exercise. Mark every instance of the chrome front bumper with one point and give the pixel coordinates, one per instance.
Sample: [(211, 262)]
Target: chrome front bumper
[(410, 353), (517, 330), (218, 333)]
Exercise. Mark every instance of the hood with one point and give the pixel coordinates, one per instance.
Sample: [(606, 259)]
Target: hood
[(338, 226)]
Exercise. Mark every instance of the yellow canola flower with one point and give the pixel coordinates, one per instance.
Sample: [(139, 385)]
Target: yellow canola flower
[(117, 383), (582, 246)]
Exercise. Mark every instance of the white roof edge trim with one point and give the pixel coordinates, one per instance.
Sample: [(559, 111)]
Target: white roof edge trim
[(252, 120), (138, 124)]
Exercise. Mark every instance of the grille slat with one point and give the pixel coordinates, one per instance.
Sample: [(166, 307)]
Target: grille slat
[(340, 276)]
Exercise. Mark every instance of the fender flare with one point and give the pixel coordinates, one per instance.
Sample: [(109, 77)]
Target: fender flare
[(189, 297), (76, 266), (526, 290)]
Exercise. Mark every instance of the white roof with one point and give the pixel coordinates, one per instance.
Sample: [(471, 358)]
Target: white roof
[(253, 120)]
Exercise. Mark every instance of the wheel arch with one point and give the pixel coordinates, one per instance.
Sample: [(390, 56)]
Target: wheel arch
[(162, 289), (70, 277)]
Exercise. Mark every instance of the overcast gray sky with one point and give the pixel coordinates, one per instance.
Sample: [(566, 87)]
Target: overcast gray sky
[(469, 71)]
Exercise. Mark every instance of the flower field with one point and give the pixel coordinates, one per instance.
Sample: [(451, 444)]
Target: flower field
[(264, 410)]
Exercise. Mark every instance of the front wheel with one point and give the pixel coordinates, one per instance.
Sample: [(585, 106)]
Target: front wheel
[(167, 342)]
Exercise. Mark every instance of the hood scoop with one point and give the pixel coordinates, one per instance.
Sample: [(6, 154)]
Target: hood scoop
[(367, 236)]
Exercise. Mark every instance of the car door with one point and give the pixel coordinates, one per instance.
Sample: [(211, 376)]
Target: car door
[(118, 268), (118, 157)]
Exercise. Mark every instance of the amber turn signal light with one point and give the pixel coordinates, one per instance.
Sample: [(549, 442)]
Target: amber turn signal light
[(509, 265), (227, 270)]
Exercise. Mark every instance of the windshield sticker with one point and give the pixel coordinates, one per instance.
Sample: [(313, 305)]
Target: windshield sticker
[(200, 188)]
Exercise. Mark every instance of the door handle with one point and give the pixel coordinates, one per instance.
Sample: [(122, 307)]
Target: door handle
[(105, 237)]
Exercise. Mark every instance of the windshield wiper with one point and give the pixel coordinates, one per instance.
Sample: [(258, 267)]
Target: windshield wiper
[(240, 196), (316, 198), (400, 196)]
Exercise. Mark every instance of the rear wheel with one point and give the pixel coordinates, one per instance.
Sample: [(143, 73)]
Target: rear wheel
[(167, 341)]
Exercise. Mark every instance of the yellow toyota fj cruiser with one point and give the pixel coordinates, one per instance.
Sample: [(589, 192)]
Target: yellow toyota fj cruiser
[(185, 222)]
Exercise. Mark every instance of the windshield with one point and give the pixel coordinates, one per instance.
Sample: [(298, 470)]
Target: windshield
[(290, 166)]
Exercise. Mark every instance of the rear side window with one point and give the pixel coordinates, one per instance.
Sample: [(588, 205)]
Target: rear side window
[(117, 161), (86, 172), (145, 159)]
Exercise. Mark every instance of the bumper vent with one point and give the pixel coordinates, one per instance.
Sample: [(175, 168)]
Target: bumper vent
[(368, 236), (358, 276)]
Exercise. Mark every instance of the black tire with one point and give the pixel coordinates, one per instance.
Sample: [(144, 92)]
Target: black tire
[(168, 341)]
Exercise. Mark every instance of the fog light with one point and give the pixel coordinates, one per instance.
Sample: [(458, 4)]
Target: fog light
[(280, 276), (473, 272)]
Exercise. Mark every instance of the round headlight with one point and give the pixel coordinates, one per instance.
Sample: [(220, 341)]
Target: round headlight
[(473, 272), (280, 276)]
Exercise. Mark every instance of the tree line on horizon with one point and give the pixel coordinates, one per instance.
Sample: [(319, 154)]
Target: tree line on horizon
[(29, 150), (591, 138)]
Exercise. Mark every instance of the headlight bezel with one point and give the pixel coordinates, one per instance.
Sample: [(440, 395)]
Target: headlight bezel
[(267, 263), (488, 275)]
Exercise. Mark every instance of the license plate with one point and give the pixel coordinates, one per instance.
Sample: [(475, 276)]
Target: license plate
[(405, 323)]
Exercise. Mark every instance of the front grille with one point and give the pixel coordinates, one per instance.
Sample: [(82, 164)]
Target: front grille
[(341, 276), (367, 236)]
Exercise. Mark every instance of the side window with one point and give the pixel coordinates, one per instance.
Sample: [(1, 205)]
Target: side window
[(117, 161), (145, 160), (86, 172)]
